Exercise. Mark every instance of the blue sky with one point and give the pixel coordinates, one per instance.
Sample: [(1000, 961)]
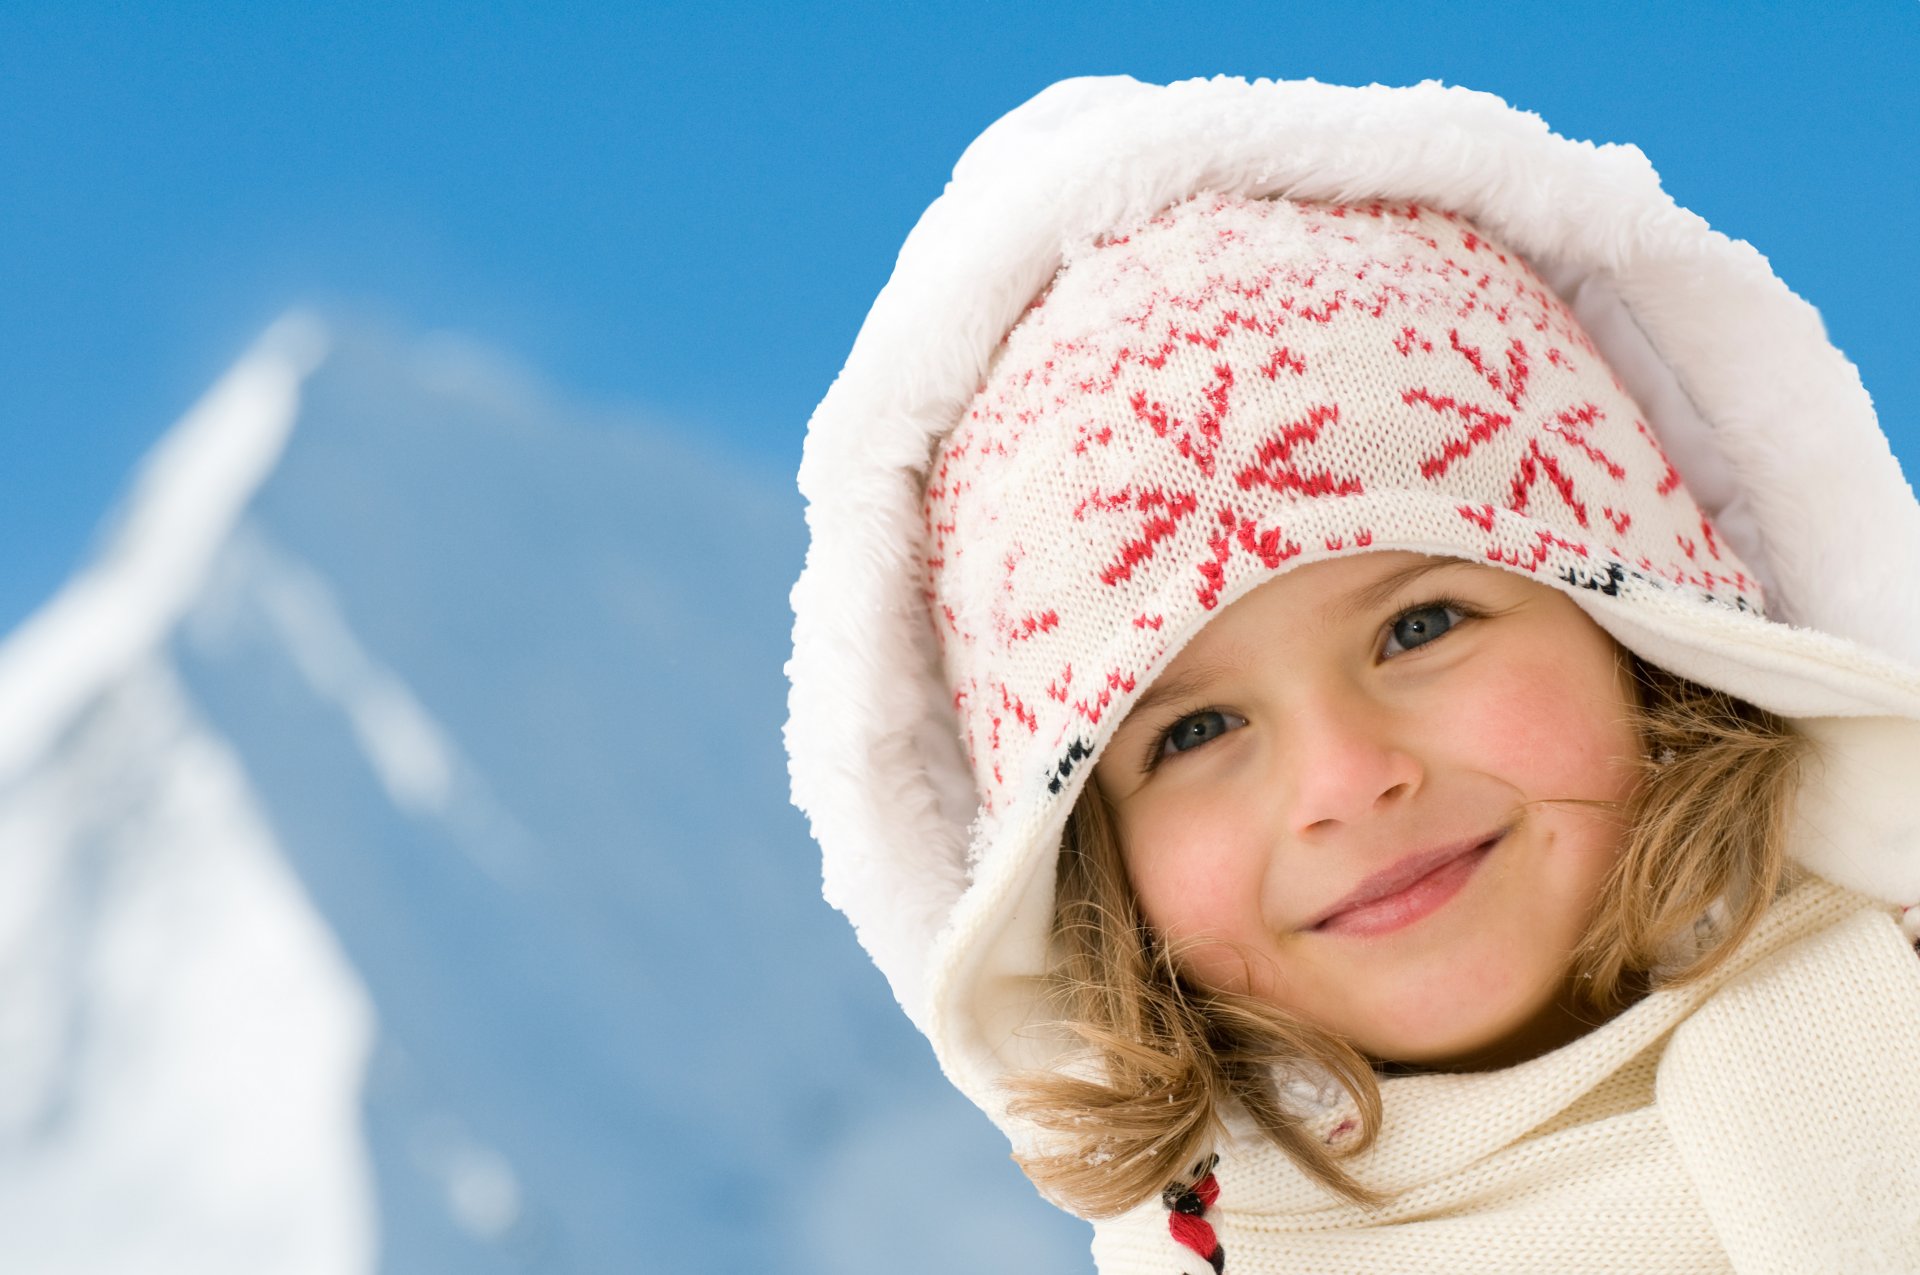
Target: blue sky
[(685, 211)]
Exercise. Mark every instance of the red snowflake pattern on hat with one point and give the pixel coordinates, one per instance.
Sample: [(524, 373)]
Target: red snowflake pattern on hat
[(1238, 385)]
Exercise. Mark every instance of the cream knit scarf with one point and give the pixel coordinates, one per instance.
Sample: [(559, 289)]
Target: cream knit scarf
[(1766, 1119)]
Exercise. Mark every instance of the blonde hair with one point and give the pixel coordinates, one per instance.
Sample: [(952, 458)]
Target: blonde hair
[(1704, 856)]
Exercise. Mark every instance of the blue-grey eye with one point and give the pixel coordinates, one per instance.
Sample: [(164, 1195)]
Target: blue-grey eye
[(1420, 626), (1198, 729)]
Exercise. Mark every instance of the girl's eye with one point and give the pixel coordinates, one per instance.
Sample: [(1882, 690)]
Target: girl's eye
[(1421, 625), (1196, 729)]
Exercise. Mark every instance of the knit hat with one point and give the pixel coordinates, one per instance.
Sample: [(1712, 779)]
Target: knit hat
[(1239, 386), (1288, 321)]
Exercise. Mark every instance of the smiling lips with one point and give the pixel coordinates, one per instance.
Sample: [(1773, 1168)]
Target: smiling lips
[(1404, 892)]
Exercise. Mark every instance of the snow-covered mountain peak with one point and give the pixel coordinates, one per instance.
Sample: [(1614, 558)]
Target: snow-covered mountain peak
[(401, 785), (183, 504)]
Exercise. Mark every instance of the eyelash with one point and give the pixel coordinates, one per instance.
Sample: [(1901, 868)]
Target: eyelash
[(1157, 747), (1465, 611)]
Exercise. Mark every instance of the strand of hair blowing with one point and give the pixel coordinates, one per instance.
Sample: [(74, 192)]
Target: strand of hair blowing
[(1704, 857)]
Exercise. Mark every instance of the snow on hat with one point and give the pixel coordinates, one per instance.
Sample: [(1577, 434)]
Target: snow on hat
[(948, 880), (1239, 386)]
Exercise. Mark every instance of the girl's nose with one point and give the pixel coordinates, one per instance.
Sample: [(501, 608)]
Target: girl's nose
[(1350, 761)]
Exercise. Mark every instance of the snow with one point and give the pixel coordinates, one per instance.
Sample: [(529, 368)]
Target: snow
[(408, 749), (398, 873), (184, 1043), (184, 502)]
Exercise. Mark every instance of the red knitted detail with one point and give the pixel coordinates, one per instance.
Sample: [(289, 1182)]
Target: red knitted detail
[(1160, 518), (1186, 1217), (1208, 1189), (1093, 707), (1196, 1233)]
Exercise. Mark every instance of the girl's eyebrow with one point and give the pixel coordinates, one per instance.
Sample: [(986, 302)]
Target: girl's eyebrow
[(1369, 596), (1181, 686), (1357, 602)]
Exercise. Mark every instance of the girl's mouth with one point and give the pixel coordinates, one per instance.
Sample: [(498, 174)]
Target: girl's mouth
[(1415, 887)]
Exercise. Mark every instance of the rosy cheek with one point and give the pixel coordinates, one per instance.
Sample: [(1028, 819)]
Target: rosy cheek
[(1215, 902), (1523, 734), (1189, 888)]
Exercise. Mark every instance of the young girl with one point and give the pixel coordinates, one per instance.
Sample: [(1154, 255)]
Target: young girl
[(1356, 671)]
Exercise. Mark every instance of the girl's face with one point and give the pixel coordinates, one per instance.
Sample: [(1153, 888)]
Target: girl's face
[(1341, 798)]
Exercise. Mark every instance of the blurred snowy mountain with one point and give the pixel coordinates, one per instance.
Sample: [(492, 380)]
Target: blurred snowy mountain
[(396, 873)]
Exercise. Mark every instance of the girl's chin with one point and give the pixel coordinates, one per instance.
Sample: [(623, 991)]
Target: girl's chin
[(1473, 1040), (1442, 1032)]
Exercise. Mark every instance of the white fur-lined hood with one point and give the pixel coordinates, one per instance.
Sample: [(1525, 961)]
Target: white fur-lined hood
[(1767, 422)]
